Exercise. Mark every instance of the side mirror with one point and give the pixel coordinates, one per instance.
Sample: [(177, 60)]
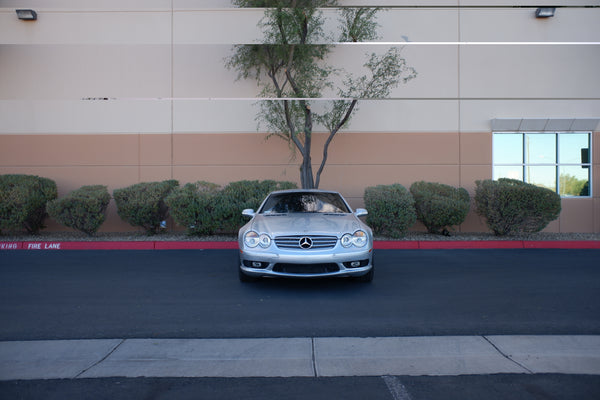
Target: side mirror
[(248, 212), (361, 212)]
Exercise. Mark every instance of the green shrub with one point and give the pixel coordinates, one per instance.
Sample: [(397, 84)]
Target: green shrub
[(511, 207), (83, 209), (440, 206), (23, 201), (237, 196), (391, 209), (193, 206), (143, 204)]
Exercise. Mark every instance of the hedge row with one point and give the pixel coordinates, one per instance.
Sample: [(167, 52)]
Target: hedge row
[(511, 207), (393, 209), (143, 204), (23, 201), (440, 206), (83, 209), (203, 208)]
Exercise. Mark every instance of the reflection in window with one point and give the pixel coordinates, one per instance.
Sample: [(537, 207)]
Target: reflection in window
[(300, 202), (504, 147), (574, 181), (540, 148), (557, 161), (512, 172), (574, 148), (541, 176)]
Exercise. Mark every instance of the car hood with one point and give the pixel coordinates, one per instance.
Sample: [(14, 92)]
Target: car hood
[(309, 223)]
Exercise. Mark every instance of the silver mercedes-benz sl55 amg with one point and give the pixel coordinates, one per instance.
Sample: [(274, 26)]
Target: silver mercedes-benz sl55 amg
[(305, 234)]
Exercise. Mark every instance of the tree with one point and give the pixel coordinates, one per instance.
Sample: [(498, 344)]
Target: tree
[(291, 64), (570, 185)]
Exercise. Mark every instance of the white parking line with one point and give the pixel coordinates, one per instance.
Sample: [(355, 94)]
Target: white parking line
[(396, 388)]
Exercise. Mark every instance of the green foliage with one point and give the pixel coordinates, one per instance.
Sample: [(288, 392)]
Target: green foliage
[(83, 209), (23, 201), (204, 208), (512, 207), (143, 204), (572, 186), (359, 24), (193, 206), (440, 206), (292, 62), (391, 209), (237, 196)]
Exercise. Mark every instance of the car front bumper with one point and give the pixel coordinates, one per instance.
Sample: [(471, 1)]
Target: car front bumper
[(304, 264)]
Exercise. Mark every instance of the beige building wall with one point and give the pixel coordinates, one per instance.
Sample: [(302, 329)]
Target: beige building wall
[(117, 92)]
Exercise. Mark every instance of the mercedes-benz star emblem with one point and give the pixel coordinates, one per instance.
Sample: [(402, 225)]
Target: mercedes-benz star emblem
[(306, 243)]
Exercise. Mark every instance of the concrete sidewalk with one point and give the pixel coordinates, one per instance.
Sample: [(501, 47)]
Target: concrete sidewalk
[(299, 357)]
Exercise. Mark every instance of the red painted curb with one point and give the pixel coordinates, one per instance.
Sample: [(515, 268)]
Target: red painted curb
[(229, 245), (475, 244), (195, 245), (88, 245), (395, 245), (11, 245), (577, 244)]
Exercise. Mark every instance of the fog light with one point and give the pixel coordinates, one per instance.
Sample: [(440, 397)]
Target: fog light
[(356, 264), (255, 264)]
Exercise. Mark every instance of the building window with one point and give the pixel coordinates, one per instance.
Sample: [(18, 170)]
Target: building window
[(560, 161)]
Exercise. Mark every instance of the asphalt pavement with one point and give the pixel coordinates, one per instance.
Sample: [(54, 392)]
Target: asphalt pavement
[(191, 294), (82, 315)]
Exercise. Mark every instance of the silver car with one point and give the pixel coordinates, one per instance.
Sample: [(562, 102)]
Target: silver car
[(307, 234)]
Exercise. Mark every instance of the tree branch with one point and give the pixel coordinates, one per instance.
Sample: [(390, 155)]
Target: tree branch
[(292, 129), (332, 133)]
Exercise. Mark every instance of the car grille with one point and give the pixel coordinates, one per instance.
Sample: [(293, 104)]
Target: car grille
[(306, 268), (294, 242)]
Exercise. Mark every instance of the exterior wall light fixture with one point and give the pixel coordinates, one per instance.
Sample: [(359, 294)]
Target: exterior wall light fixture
[(545, 12), (26, 15)]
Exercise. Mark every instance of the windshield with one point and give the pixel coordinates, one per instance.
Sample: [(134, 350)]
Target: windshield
[(299, 202)]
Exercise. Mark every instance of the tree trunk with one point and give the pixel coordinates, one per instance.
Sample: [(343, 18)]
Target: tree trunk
[(306, 174)]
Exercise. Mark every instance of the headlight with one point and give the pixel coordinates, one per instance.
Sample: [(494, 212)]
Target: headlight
[(253, 239), (264, 240), (346, 240), (358, 239)]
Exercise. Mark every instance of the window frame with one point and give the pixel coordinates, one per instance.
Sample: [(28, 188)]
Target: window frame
[(557, 164)]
